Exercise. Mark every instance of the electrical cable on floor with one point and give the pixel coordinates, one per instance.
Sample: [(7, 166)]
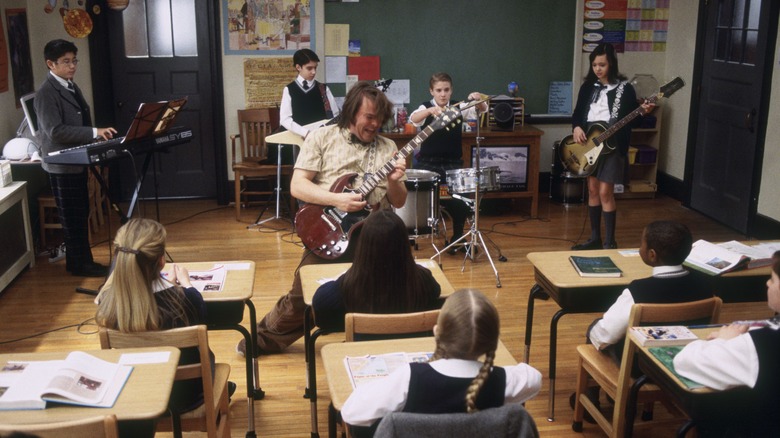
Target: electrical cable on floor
[(78, 329)]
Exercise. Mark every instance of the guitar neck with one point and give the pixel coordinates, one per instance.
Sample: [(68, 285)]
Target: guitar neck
[(623, 122), (370, 183)]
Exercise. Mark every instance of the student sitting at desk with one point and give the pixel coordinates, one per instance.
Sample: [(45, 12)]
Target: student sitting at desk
[(665, 245), (373, 284), (136, 298), (454, 380), (734, 357)]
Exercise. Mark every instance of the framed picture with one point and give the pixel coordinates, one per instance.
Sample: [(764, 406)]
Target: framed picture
[(19, 51), (268, 27), (511, 160)]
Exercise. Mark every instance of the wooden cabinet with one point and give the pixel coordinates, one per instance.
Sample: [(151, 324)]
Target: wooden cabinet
[(643, 160), (518, 152)]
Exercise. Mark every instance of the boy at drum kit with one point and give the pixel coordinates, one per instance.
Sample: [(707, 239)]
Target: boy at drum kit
[(442, 151)]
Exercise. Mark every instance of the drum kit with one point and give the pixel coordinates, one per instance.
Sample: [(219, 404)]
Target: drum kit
[(422, 214)]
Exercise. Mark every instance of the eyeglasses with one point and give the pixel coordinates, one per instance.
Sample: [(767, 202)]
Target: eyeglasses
[(68, 62)]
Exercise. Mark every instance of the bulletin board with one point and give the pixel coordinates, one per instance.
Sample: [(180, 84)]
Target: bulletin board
[(483, 45)]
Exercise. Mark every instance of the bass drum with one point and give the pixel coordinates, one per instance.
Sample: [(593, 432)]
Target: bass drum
[(420, 213), (568, 188)]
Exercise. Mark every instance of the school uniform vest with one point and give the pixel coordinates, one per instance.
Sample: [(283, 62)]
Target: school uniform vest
[(307, 107), (441, 144), (433, 393), (661, 290), (765, 402)]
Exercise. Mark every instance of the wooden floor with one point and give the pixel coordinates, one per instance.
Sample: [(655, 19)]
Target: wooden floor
[(43, 312)]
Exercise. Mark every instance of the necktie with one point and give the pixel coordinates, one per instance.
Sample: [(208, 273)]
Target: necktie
[(305, 85), (70, 87)]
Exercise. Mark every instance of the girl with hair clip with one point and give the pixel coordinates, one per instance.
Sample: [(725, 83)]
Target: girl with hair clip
[(136, 298), (371, 284), (455, 380)]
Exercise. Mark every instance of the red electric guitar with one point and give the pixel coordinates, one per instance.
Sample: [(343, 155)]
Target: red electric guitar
[(326, 230)]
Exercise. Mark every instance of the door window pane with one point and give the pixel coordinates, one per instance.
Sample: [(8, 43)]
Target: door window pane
[(134, 24), (160, 28), (185, 41)]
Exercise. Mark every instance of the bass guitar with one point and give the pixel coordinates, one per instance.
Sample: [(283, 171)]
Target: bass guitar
[(580, 158), (326, 230)]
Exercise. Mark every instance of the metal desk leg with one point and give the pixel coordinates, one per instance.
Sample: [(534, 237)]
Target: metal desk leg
[(553, 351), (333, 418), (633, 396), (536, 293), (258, 393)]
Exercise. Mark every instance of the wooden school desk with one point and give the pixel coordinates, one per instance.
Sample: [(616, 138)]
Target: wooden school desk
[(226, 311), (144, 397), (702, 405), (338, 380), (311, 275), (556, 278)]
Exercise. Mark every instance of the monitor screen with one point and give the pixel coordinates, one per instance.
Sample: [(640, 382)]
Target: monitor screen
[(29, 112)]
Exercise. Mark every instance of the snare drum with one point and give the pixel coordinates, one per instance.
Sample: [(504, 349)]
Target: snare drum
[(465, 180), (421, 211)]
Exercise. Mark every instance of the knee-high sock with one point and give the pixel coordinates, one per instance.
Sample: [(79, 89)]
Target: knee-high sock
[(609, 226), (595, 221)]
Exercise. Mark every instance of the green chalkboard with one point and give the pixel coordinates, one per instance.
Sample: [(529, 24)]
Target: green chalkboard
[(482, 44)]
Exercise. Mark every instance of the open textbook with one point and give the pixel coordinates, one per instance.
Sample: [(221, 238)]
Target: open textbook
[(80, 379), (362, 369), (729, 256), (212, 280)]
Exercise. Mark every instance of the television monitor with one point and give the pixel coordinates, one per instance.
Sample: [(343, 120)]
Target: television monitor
[(512, 160), (27, 102)]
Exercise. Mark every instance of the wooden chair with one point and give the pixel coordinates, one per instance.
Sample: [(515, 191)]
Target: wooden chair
[(211, 417), (387, 325), (357, 324), (616, 380), (250, 161), (97, 427)]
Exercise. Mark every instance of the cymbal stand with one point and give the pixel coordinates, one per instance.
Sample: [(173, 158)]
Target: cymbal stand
[(474, 236), (278, 190)]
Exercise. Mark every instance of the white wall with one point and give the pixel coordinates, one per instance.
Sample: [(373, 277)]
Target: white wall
[(233, 77), (768, 204)]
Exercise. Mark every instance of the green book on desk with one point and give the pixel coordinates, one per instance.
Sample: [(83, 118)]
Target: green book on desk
[(595, 266), (666, 356)]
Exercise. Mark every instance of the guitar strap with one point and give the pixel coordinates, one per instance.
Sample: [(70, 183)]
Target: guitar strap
[(613, 117), (325, 101)]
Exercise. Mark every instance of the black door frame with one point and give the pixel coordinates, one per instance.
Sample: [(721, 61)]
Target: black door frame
[(100, 70), (696, 81)]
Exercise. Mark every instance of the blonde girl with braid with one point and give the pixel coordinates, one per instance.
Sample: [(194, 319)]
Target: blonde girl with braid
[(136, 297), (460, 376)]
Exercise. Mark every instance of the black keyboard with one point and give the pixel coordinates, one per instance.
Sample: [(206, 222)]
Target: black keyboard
[(107, 150)]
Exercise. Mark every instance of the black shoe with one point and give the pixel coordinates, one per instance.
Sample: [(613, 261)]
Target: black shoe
[(593, 396), (590, 244), (90, 269), (610, 245)]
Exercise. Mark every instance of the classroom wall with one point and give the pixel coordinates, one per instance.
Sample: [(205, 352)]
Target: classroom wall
[(676, 61)]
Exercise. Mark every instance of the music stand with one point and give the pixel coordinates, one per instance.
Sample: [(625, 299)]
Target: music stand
[(277, 189), (474, 236)]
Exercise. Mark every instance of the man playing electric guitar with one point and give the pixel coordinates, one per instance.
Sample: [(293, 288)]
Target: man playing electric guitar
[(604, 95), (327, 154)]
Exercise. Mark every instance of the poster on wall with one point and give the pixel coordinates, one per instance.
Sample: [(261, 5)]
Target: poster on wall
[(267, 27), (19, 51), (264, 79), (605, 22), (3, 61)]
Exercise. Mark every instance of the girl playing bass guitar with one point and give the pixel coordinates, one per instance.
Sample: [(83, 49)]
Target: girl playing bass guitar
[(605, 95)]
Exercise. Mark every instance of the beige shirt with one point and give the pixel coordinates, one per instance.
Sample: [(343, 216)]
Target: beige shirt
[(330, 152)]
